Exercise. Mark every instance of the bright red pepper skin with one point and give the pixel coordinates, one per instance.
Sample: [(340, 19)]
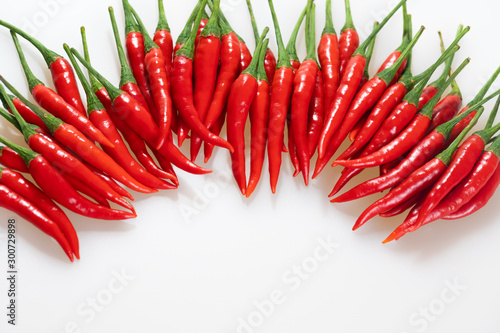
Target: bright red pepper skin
[(52, 102), (420, 180), (270, 65), (292, 151), (83, 188), (462, 163), (329, 59), (17, 183), (206, 64), (345, 94), (135, 92), (12, 160), (246, 56), (303, 89), (203, 24), (163, 38), (391, 59), (316, 114), (108, 180), (65, 84), (479, 200), (259, 119), (229, 70), (281, 94), (182, 73), (348, 43), (56, 187), (26, 209), (28, 114), (240, 100), (445, 110), (216, 129), (404, 206)]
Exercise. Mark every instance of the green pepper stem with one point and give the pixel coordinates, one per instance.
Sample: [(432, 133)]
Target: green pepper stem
[(32, 80), (187, 50), (291, 46), (349, 24), (485, 88), (25, 129), (261, 69), (126, 75), (283, 57), (212, 28), (254, 22), (329, 28), (252, 68), (148, 41), (493, 114), (26, 154), (186, 31), (369, 54), (96, 85), (162, 18)]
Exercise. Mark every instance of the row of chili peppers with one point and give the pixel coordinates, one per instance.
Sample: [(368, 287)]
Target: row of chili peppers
[(191, 89)]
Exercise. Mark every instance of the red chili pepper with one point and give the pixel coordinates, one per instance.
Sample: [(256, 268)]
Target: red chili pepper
[(404, 206), (462, 194), (57, 155), (281, 93), (259, 119), (462, 163), (62, 74), (25, 112), (206, 65), (349, 84), (27, 210), (349, 39), (12, 160), (163, 38), (357, 128), (83, 188), (316, 114), (419, 180), (51, 101), (17, 183), (139, 120), (479, 200), (329, 57), (216, 129), (201, 26), (158, 82), (134, 44), (303, 88), (57, 188), (240, 100), (427, 149), (183, 93)]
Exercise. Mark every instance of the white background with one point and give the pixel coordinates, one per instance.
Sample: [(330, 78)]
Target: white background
[(206, 272)]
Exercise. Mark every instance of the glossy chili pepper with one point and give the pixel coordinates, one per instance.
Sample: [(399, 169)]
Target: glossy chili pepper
[(291, 46), (134, 44), (120, 153), (216, 129), (57, 188), (206, 65), (201, 26), (62, 73), (183, 92), (83, 188), (349, 84), (419, 180), (240, 100), (425, 150), (281, 93), (349, 39), (52, 102), (407, 139), (359, 125), (270, 59), (139, 120), (259, 119), (479, 200), (329, 57), (158, 82), (111, 183), (25, 112), (462, 194), (461, 165), (303, 88), (20, 185), (12, 160), (57, 155), (163, 38), (16, 203), (316, 114), (404, 206)]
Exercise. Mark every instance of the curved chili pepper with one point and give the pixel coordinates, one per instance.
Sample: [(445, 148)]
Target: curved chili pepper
[(206, 65), (51, 101), (57, 188), (134, 44), (404, 206), (303, 88), (17, 183), (158, 81), (316, 114), (216, 129), (329, 57), (479, 200), (57, 155), (239, 102), (419, 180), (101, 119), (462, 163), (349, 39), (111, 183), (183, 93), (259, 119), (12, 160), (85, 189), (141, 121), (163, 38), (25, 112), (349, 84), (408, 138), (359, 125), (462, 194), (281, 93), (62, 73), (428, 148), (28, 211)]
